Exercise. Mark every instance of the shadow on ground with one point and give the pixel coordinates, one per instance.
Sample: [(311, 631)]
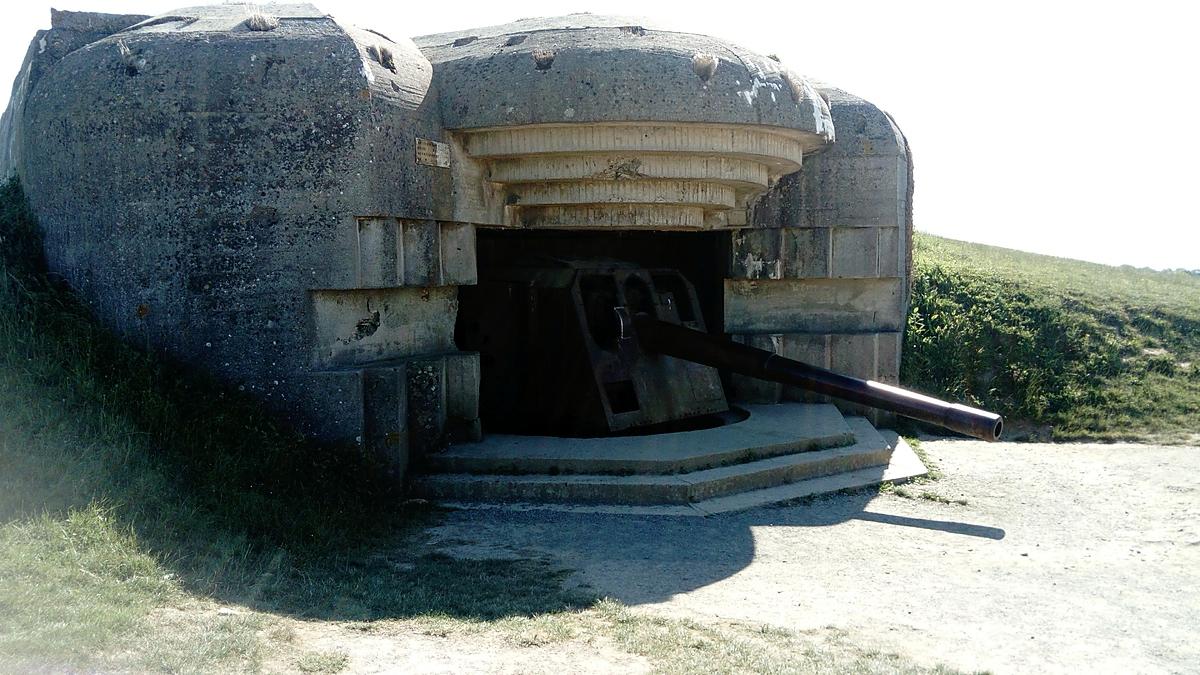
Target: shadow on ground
[(525, 566), (432, 564), (646, 559)]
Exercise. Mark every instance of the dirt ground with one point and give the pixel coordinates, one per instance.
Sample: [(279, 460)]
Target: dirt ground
[(416, 653), (1063, 557)]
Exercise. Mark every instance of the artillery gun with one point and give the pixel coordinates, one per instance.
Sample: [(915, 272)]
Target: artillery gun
[(600, 347)]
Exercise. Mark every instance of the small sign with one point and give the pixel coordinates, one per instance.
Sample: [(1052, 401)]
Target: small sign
[(433, 153)]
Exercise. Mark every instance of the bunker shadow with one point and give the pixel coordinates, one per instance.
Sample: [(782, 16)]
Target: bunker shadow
[(489, 564), (650, 559)]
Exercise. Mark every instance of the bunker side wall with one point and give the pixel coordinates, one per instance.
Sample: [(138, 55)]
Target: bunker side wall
[(214, 196), (823, 276)]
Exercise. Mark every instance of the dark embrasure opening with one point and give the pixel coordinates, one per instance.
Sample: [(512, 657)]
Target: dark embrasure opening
[(509, 369)]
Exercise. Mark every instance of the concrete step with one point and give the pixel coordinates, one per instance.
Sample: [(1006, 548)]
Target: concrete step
[(770, 431), (869, 452), (869, 449), (904, 465)]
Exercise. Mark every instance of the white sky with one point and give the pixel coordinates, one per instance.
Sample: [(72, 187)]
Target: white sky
[(1063, 128)]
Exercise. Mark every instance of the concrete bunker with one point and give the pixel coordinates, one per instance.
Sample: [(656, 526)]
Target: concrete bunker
[(306, 210)]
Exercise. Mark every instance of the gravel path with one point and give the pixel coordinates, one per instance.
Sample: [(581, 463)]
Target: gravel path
[(1063, 557)]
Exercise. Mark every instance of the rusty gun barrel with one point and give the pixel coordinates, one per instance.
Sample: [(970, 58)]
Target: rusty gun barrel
[(681, 342)]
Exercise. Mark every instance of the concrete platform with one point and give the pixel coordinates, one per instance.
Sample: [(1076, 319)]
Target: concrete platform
[(869, 459), (770, 431), (904, 465)]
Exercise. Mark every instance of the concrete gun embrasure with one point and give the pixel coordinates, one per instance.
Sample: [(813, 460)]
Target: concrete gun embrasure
[(655, 335), (601, 347)]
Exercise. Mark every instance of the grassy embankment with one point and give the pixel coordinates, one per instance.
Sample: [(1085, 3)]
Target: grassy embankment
[(1067, 350), (152, 521)]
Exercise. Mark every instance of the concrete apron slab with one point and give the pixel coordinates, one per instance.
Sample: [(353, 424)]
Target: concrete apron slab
[(904, 466), (872, 459), (769, 431)]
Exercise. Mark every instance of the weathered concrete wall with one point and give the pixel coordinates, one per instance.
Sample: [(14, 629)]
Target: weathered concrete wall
[(212, 191), (286, 209), (586, 68), (824, 275), (594, 122), (68, 31)]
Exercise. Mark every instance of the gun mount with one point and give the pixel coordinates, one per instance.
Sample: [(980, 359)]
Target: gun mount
[(663, 337), (588, 348)]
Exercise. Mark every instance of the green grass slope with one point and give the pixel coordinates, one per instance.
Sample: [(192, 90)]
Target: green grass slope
[(1067, 349)]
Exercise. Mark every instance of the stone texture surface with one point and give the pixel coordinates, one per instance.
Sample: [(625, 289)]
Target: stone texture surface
[(69, 31), (203, 186), (544, 71), (813, 305)]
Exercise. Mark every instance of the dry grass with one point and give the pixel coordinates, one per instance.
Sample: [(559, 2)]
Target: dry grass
[(261, 22)]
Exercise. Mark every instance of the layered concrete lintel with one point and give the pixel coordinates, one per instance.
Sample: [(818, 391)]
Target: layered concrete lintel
[(630, 175), (362, 326)]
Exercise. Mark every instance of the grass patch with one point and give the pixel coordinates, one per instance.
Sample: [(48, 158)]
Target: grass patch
[(934, 471), (682, 646), (933, 474), (323, 662), (81, 592), (193, 639), (890, 488), (47, 564), (1065, 349)]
